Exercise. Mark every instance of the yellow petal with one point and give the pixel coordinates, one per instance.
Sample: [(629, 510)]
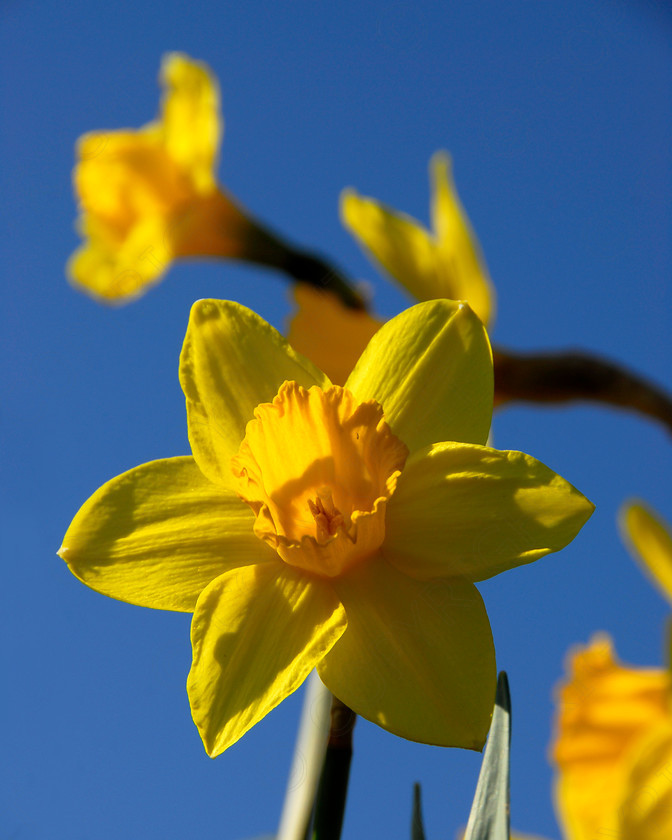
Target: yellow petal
[(417, 657), (232, 361), (191, 121), (473, 511), (129, 190), (646, 810), (445, 263), (402, 247), (119, 273), (461, 269), (330, 334), (257, 632), (651, 544), (431, 370), (604, 710), (123, 176), (157, 535)]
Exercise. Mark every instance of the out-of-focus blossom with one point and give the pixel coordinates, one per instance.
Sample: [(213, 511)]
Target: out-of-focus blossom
[(331, 334), (613, 750), (149, 196), (445, 262), (650, 541)]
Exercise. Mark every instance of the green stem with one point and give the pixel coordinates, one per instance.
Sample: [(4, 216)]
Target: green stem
[(333, 789)]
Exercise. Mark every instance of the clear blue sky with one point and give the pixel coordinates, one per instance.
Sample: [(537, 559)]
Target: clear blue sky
[(558, 118)]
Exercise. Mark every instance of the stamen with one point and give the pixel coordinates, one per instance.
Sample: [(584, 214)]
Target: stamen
[(328, 518)]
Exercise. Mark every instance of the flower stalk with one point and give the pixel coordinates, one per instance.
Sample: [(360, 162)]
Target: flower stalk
[(570, 377), (333, 789)]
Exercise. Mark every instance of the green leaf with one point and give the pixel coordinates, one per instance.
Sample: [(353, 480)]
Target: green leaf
[(489, 817), (417, 828)]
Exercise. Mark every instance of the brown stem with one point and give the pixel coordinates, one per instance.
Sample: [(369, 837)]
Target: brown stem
[(565, 377)]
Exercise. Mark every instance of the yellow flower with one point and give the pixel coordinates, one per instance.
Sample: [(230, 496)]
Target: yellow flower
[(331, 334), (329, 527), (443, 263), (613, 749), (150, 195), (650, 542)]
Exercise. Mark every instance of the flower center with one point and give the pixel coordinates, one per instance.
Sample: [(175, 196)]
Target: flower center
[(317, 469)]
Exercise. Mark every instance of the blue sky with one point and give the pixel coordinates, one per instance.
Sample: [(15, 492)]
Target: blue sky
[(558, 119)]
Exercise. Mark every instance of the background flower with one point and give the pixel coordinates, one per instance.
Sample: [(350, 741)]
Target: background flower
[(444, 263), (150, 195), (613, 748), (648, 537)]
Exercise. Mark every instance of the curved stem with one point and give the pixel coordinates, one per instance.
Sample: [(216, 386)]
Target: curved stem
[(540, 378), (572, 376)]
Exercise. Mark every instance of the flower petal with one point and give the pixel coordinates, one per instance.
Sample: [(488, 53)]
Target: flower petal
[(604, 711), (232, 361), (469, 510), (128, 188), (445, 263), (645, 812), (157, 535), (115, 274), (461, 270), (257, 633), (651, 544), (328, 332), (191, 121), (399, 244), (417, 657), (431, 370)]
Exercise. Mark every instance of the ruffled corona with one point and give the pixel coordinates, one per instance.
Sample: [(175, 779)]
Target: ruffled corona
[(317, 469)]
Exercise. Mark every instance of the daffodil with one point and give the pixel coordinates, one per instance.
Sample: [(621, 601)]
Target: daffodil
[(613, 750), (650, 542), (150, 195), (331, 334), (329, 527), (445, 262)]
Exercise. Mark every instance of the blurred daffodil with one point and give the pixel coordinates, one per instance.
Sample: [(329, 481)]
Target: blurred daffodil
[(613, 750), (150, 195), (650, 541), (445, 262), (329, 527), (331, 334)]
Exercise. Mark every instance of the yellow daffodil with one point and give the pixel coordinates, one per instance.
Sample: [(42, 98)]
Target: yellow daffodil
[(150, 195), (613, 750), (331, 334), (443, 263), (334, 528), (650, 542)]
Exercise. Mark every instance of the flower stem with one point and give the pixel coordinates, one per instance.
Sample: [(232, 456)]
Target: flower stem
[(565, 377), (333, 789), (266, 247), (537, 378)]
